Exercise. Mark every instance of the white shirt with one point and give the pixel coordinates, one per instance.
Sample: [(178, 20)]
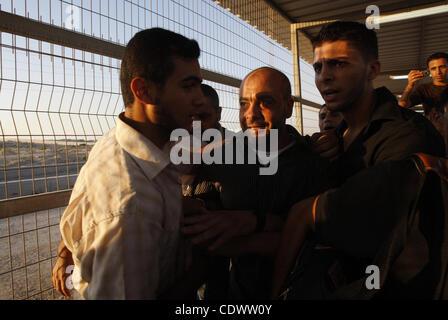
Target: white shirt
[(122, 224)]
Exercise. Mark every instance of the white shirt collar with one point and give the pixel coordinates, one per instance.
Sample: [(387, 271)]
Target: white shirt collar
[(150, 158)]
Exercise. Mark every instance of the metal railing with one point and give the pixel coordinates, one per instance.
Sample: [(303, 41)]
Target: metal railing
[(28, 245)]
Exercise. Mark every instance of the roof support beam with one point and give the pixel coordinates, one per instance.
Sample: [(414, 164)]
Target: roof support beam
[(25, 27), (296, 67)]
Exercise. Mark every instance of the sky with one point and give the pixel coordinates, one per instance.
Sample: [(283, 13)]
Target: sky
[(56, 92)]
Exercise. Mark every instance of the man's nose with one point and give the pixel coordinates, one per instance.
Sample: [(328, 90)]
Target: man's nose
[(253, 112), (326, 73), (199, 98)]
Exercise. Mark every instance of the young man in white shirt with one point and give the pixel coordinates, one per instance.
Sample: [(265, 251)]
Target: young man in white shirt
[(122, 222)]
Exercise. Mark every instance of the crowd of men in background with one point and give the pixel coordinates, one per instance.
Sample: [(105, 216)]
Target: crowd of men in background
[(368, 190)]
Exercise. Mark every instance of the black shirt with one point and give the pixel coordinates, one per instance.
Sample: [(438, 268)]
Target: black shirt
[(393, 133), (299, 175), (372, 215)]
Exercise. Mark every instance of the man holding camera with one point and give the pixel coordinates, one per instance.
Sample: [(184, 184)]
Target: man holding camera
[(429, 93)]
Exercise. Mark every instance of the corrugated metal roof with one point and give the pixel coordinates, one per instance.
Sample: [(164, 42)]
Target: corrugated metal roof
[(311, 10), (403, 45)]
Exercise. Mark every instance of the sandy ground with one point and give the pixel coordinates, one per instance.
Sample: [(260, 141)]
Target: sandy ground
[(27, 169), (28, 245)]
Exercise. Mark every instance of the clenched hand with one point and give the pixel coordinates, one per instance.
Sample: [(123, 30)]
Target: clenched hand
[(60, 275)]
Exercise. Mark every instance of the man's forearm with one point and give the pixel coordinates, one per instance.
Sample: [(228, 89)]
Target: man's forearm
[(63, 251), (404, 101), (263, 243), (300, 221)]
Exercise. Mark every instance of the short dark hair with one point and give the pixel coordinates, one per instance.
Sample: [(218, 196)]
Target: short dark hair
[(437, 55), (210, 93), (149, 55), (362, 38)]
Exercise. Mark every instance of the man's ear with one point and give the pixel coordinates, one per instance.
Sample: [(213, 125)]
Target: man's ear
[(374, 69), (289, 107), (144, 91)]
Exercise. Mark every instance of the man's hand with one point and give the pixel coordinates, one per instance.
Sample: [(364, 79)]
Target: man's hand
[(326, 144), (191, 205), (218, 226), (413, 77), (59, 270)]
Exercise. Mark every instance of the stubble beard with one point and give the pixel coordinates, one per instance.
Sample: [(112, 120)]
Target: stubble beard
[(353, 98), (166, 119)]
